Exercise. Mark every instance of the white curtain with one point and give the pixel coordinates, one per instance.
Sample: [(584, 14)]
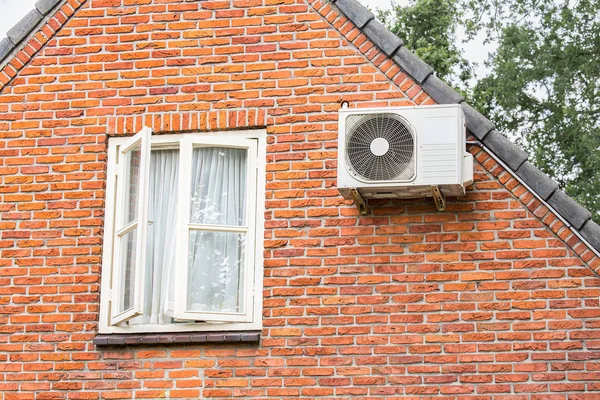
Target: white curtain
[(159, 286), (216, 258)]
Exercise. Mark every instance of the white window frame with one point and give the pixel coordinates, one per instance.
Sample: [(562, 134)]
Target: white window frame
[(255, 226), (140, 222), (184, 227)]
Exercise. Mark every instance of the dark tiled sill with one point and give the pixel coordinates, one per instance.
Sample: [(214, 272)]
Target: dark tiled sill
[(178, 337)]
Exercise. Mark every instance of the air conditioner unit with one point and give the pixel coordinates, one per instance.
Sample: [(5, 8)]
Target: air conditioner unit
[(403, 152)]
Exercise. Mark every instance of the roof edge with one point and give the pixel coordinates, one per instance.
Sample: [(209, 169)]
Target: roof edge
[(567, 209), (17, 36)]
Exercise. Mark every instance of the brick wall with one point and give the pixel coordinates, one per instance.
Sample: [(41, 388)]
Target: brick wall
[(491, 299)]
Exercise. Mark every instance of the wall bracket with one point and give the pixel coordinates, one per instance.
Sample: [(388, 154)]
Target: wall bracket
[(438, 198), (359, 201)]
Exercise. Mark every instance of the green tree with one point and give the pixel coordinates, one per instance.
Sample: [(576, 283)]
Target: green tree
[(543, 86), (543, 89)]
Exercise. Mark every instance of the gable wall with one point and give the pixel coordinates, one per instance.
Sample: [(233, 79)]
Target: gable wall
[(480, 300)]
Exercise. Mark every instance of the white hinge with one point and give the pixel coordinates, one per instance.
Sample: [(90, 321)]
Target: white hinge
[(110, 294)]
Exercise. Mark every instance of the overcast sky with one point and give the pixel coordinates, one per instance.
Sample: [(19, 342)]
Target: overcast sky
[(11, 11)]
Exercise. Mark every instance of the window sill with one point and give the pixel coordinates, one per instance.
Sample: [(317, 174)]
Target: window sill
[(180, 337)]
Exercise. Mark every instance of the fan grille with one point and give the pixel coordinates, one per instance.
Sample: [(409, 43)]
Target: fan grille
[(380, 147)]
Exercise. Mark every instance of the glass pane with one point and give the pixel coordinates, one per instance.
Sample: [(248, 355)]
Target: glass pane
[(218, 186), (216, 271), (127, 279), (132, 180), (159, 284)]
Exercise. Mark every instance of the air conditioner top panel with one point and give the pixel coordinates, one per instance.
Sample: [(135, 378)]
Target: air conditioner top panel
[(438, 108)]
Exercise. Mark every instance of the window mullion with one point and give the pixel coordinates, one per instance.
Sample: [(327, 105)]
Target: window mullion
[(182, 232)]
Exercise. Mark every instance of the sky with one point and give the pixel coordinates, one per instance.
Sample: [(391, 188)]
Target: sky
[(11, 11)]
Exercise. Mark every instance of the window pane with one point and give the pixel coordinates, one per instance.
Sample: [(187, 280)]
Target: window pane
[(216, 270), (132, 180), (218, 186), (128, 256)]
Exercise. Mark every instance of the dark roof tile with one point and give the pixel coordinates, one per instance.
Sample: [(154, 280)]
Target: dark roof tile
[(591, 233), (232, 337), (440, 91), (506, 150), (571, 210), (181, 338), (198, 337), (20, 31), (100, 341), (538, 181), (477, 124), (45, 6), (418, 69), (6, 46), (133, 339), (148, 339), (382, 37), (356, 12), (116, 340)]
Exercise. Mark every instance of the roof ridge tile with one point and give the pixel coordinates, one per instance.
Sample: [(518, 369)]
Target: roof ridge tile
[(572, 211), (511, 154), (412, 64), (477, 124), (6, 47), (45, 6), (26, 25), (356, 12), (440, 91), (22, 28), (538, 181), (382, 37), (591, 233)]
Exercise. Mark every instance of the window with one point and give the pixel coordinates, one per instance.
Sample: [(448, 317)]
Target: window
[(182, 222)]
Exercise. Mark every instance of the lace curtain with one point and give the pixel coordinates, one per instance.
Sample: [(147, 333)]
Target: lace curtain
[(216, 257), (160, 248)]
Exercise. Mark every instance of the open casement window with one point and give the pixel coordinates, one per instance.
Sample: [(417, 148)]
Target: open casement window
[(131, 222), (215, 230), (182, 221)]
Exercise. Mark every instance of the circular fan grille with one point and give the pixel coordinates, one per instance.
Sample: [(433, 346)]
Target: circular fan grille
[(380, 147)]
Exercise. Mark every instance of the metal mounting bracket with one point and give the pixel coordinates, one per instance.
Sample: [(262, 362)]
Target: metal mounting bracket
[(438, 198), (359, 201)]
